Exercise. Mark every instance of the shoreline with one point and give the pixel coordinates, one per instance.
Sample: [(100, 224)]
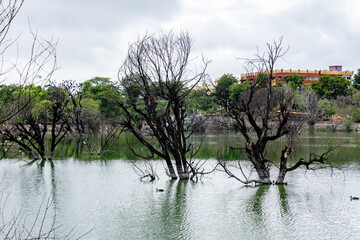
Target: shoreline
[(216, 123)]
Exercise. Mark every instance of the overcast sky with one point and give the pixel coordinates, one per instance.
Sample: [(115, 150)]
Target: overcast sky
[(93, 35)]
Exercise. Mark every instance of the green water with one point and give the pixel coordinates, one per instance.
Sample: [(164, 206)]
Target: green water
[(106, 196), (219, 143)]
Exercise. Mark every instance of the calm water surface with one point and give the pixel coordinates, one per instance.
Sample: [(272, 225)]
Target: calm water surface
[(108, 197)]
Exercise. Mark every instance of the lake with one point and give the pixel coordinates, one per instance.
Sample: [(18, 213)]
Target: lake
[(106, 197)]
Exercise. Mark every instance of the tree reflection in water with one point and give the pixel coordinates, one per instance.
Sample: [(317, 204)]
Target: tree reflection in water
[(169, 218)]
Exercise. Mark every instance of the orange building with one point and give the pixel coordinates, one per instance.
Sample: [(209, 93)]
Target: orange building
[(309, 75)]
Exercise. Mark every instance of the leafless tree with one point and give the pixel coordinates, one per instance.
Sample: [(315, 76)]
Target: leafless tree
[(343, 112), (157, 76), (268, 112), (322, 159), (40, 66), (107, 133), (310, 106), (8, 10), (147, 170), (83, 122), (76, 113), (42, 62)]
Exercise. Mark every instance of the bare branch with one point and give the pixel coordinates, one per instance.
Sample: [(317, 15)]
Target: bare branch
[(156, 77), (148, 170)]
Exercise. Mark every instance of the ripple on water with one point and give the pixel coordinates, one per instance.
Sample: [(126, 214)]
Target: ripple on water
[(111, 198)]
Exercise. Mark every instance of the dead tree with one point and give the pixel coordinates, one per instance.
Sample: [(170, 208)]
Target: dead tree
[(309, 105), (267, 111), (107, 133), (322, 159), (156, 79), (9, 107), (40, 66), (83, 122), (145, 171), (76, 112)]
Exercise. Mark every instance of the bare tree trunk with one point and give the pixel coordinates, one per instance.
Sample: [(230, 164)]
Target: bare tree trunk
[(283, 165), (259, 163), (171, 169), (181, 168), (182, 173), (322, 159)]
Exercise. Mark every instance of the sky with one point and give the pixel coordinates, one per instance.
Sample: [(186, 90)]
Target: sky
[(93, 35)]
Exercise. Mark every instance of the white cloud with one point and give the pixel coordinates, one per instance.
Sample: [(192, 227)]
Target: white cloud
[(94, 35)]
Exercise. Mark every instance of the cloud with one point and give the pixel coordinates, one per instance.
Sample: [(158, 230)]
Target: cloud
[(94, 35)]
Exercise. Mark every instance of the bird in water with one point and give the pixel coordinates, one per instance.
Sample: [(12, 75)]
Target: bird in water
[(353, 198), (159, 189)]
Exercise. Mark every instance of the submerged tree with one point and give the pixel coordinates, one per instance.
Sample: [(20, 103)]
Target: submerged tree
[(39, 128), (92, 111), (156, 78), (78, 116), (268, 112)]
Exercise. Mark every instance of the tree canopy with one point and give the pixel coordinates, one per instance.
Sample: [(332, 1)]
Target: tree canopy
[(356, 82), (103, 91), (295, 81), (331, 87), (222, 88)]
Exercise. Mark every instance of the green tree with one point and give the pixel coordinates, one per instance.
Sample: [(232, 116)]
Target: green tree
[(200, 100), (328, 107), (295, 81), (7, 98), (103, 91), (237, 89), (356, 82), (355, 109), (222, 89), (331, 87)]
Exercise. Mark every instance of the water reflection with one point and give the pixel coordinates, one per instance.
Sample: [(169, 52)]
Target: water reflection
[(307, 142), (257, 213), (255, 202), (283, 200), (107, 195), (269, 212), (170, 219)]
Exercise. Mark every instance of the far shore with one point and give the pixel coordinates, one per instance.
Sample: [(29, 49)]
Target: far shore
[(330, 125), (215, 123)]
